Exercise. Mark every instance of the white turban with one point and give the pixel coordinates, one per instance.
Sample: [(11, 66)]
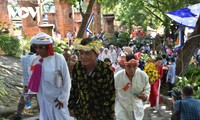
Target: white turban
[(42, 38)]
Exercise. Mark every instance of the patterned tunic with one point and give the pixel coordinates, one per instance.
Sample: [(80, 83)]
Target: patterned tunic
[(92, 94)]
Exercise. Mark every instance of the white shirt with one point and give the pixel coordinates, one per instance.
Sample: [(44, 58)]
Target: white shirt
[(171, 74), (113, 56), (126, 102)]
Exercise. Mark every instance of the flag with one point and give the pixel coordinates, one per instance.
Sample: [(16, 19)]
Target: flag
[(90, 25), (186, 16), (178, 42)]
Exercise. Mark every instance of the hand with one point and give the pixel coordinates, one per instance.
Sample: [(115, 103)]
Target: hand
[(59, 104), (71, 112), (142, 96)]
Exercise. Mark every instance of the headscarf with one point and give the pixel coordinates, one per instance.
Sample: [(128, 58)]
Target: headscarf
[(123, 61), (132, 62), (94, 45), (44, 39), (41, 38)]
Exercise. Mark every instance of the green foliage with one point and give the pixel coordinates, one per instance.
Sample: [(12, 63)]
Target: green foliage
[(60, 46), (147, 12), (9, 44), (118, 39), (197, 93), (193, 73), (1, 118), (144, 40), (192, 78), (25, 45), (145, 57), (182, 81)]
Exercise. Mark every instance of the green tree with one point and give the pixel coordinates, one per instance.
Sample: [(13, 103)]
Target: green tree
[(148, 12), (153, 13)]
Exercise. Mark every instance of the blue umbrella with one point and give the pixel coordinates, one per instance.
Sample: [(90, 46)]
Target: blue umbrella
[(186, 16)]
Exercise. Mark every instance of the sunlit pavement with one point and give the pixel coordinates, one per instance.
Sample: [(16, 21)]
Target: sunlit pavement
[(150, 113)]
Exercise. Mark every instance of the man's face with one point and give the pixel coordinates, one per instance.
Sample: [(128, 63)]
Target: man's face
[(42, 50), (67, 54), (88, 58), (130, 69)]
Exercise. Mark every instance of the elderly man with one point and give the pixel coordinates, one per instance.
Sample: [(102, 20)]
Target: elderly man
[(92, 94), (52, 97), (132, 88)]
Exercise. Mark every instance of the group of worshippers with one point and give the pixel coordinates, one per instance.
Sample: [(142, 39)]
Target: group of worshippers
[(92, 92)]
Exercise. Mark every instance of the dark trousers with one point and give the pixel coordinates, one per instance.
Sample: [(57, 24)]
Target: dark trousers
[(170, 88), (21, 104)]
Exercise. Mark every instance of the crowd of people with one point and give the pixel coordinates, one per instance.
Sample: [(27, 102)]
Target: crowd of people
[(95, 82)]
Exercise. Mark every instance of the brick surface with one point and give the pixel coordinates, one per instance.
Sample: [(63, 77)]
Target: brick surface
[(64, 19), (4, 14), (29, 24)]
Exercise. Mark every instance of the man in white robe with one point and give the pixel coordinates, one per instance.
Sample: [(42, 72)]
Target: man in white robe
[(53, 100), (113, 54), (132, 88)]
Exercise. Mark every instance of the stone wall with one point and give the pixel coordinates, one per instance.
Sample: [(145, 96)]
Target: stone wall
[(29, 24), (64, 19), (4, 13), (108, 26)]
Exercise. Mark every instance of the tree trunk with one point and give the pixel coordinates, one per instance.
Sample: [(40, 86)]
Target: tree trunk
[(85, 16), (188, 50)]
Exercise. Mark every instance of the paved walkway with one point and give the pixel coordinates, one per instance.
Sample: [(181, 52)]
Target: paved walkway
[(150, 114), (162, 114)]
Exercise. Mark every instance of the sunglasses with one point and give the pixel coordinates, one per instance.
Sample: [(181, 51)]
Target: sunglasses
[(40, 47)]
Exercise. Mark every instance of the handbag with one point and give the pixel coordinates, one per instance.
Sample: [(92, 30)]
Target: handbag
[(58, 75), (177, 115)]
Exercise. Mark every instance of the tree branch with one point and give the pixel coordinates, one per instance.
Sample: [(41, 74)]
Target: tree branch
[(161, 2), (86, 16), (157, 8), (154, 14)]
